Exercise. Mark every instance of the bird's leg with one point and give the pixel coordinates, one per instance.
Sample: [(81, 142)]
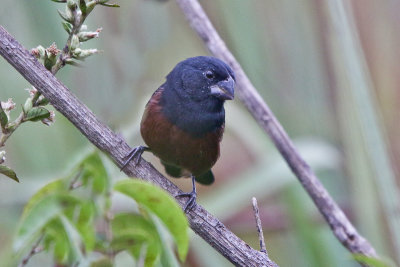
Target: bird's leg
[(192, 196), (135, 152)]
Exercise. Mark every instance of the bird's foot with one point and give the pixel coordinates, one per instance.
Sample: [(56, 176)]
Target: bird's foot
[(135, 153), (191, 201), (192, 197)]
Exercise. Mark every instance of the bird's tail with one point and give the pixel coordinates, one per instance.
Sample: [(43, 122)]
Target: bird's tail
[(174, 171)]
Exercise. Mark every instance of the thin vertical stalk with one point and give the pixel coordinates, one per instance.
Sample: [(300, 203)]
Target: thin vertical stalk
[(350, 63)]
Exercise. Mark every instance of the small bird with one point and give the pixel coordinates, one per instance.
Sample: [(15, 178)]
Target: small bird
[(184, 120)]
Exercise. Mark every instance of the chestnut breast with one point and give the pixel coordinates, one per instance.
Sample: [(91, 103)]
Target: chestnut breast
[(174, 146)]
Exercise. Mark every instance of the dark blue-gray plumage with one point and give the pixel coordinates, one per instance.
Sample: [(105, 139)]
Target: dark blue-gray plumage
[(184, 119)]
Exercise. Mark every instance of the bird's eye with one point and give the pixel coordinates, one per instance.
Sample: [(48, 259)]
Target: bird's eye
[(209, 74)]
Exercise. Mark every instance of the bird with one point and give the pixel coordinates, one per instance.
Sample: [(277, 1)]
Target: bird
[(184, 120)]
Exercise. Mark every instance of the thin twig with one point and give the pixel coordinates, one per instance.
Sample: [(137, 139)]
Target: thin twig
[(342, 228), (201, 222), (108, 216), (263, 248), (74, 184), (35, 250), (6, 134), (66, 54)]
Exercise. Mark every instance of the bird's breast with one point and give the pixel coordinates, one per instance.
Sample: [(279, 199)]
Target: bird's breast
[(174, 146)]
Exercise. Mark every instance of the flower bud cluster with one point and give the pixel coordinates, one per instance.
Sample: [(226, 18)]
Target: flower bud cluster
[(46, 56), (75, 13), (33, 108)]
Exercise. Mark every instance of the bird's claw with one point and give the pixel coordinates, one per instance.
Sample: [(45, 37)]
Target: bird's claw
[(192, 197), (191, 201), (134, 153)]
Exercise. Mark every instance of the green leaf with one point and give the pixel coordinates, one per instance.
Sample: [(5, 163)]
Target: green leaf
[(67, 26), (8, 172), (71, 62), (131, 232), (42, 101), (104, 3), (37, 114), (56, 238), (3, 117), (103, 262), (82, 7), (57, 186), (372, 262), (50, 61), (62, 237), (74, 240), (84, 225), (110, 5), (93, 170), (162, 205), (39, 214), (168, 256), (64, 17)]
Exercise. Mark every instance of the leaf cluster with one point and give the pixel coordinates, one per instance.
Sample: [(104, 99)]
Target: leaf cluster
[(73, 217)]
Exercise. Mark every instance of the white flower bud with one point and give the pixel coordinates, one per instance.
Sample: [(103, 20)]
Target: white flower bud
[(84, 36), (2, 156), (9, 105), (74, 42)]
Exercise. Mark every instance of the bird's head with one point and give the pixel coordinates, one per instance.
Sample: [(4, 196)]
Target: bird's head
[(201, 79)]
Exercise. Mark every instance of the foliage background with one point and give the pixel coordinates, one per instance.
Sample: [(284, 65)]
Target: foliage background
[(286, 49)]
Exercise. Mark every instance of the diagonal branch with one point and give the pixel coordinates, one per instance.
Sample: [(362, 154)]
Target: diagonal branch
[(203, 223), (247, 93)]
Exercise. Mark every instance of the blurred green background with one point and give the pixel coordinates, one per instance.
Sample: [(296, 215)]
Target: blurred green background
[(328, 69)]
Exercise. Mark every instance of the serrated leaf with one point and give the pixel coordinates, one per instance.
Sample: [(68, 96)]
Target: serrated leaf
[(8, 172), (40, 214), (163, 206), (372, 262), (37, 114), (3, 117), (131, 232)]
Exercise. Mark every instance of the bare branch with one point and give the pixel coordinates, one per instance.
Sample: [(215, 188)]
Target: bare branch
[(247, 93), (203, 223)]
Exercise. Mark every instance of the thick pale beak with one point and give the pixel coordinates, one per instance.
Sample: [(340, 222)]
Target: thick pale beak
[(224, 89)]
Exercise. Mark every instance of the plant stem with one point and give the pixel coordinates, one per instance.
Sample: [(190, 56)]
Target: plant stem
[(65, 54)]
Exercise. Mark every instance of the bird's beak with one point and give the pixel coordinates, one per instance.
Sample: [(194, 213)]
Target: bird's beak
[(224, 90)]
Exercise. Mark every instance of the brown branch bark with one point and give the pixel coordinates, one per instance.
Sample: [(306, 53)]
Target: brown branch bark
[(203, 223), (247, 93)]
